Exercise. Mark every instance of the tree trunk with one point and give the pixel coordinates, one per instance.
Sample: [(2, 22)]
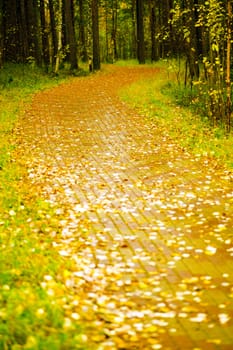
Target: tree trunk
[(228, 69), (70, 31), (23, 32), (59, 37), (11, 31), (140, 31), (134, 31), (95, 34), (44, 34), (83, 48), (1, 34), (33, 31), (53, 29), (154, 49), (114, 30)]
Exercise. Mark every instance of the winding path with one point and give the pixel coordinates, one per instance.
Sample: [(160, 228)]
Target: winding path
[(148, 229)]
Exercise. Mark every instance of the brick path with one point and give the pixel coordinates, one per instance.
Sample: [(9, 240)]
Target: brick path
[(147, 227)]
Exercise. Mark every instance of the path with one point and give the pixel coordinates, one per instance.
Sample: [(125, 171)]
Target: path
[(147, 228)]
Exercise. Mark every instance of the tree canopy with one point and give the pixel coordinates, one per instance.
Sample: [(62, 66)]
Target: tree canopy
[(51, 32)]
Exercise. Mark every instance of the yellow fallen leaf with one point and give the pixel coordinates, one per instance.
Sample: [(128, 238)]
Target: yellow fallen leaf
[(191, 280), (214, 341), (210, 250), (156, 346), (200, 317), (40, 313), (223, 318), (151, 329), (142, 285), (75, 316), (189, 309), (67, 323)]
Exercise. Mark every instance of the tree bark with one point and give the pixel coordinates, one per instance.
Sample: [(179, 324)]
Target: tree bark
[(228, 69), (114, 30), (33, 31), (140, 31), (53, 29), (11, 31), (154, 48), (59, 37), (1, 35), (44, 35), (83, 48), (70, 31), (95, 34)]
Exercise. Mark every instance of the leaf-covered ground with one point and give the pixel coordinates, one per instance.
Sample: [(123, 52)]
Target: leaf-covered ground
[(145, 228)]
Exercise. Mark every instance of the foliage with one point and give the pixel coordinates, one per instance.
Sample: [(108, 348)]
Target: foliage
[(159, 98), (205, 40), (32, 312), (69, 31)]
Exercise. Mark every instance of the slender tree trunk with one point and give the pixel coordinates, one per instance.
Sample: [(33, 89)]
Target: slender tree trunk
[(59, 37), (53, 29), (108, 51), (83, 48), (70, 31), (44, 34), (33, 31), (95, 33), (134, 31), (228, 69), (114, 29), (23, 32), (1, 34), (154, 51), (140, 31), (11, 35)]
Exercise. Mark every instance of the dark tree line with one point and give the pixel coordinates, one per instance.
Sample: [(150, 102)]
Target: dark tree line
[(53, 32), (42, 30)]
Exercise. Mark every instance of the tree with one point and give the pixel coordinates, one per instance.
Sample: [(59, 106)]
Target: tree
[(140, 31), (70, 33), (95, 34), (228, 67), (54, 30), (44, 35), (114, 28), (57, 32), (10, 30), (154, 53), (83, 20), (33, 31), (133, 31), (1, 34)]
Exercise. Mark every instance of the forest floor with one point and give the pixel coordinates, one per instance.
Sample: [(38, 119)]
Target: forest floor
[(145, 228)]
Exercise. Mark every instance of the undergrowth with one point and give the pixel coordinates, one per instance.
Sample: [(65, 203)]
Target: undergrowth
[(181, 114), (32, 311)]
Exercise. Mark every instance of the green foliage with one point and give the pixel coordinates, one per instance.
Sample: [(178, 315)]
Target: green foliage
[(181, 112), (202, 30), (185, 97)]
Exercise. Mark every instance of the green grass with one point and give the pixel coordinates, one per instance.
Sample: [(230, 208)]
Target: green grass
[(33, 304), (170, 106)]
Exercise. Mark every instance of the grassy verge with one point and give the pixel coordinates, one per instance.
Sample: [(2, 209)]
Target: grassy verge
[(33, 302), (159, 100)]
